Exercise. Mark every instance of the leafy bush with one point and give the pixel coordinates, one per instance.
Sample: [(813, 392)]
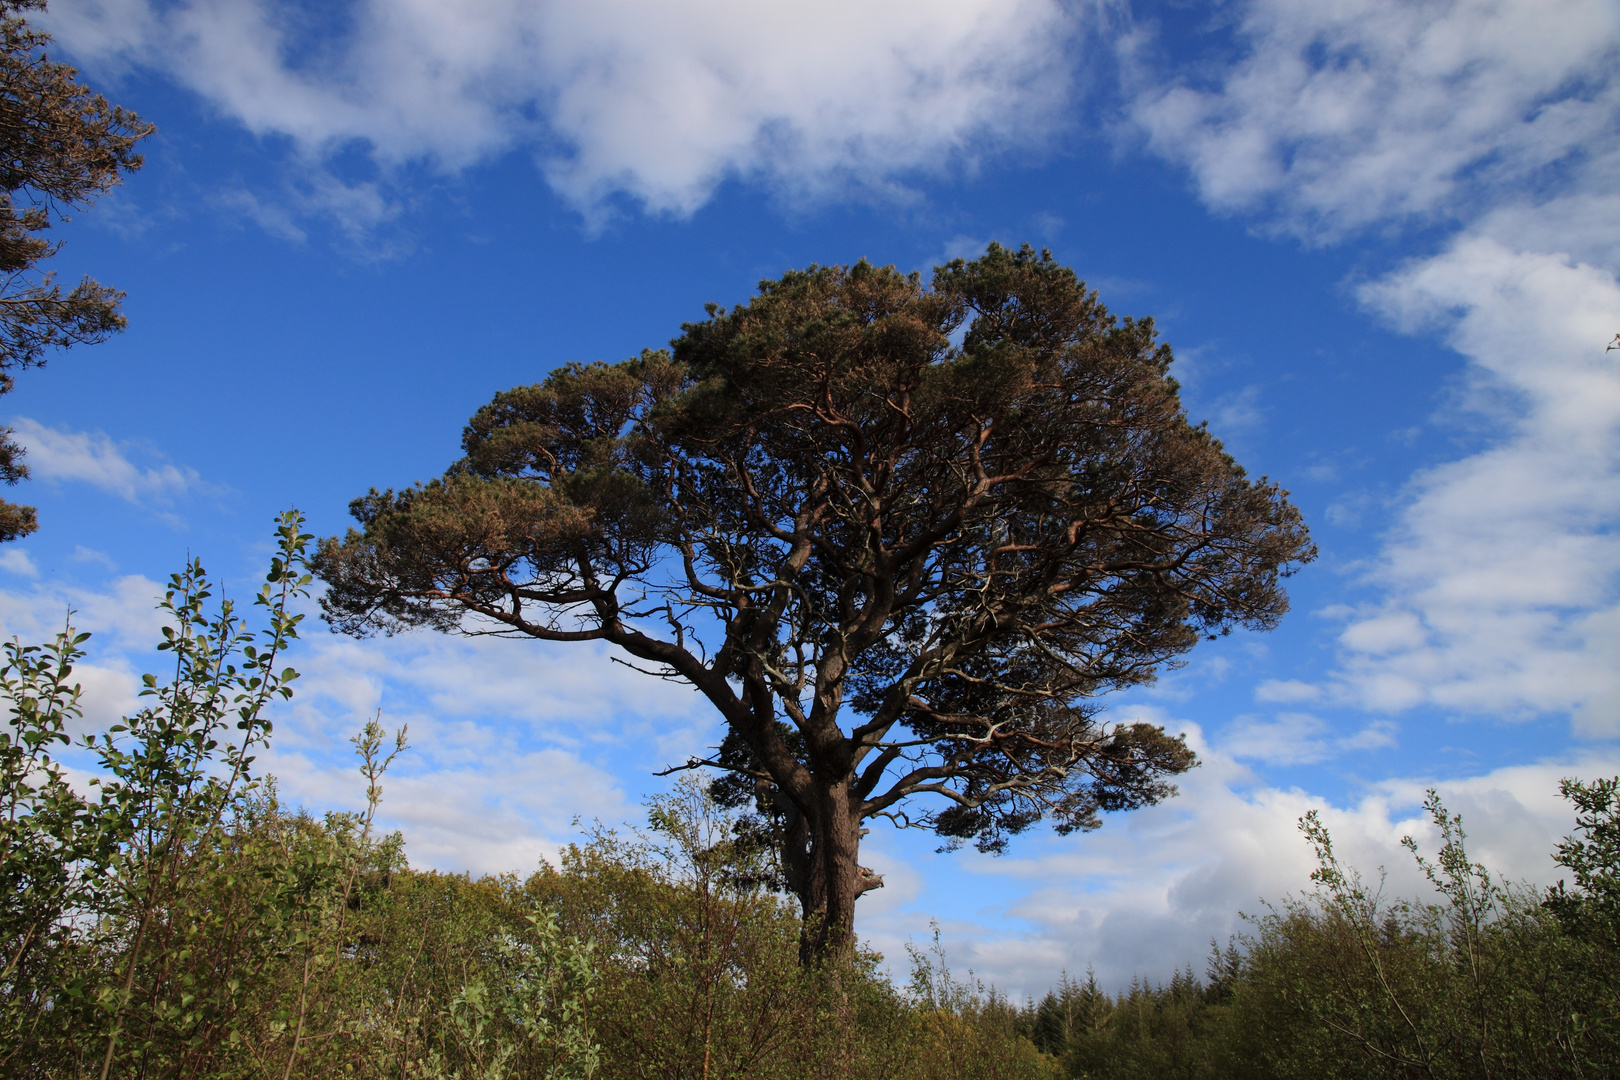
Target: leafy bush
[(179, 921), (176, 920), (1492, 980)]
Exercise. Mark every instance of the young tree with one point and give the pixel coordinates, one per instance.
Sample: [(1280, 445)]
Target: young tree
[(61, 146), (900, 568)]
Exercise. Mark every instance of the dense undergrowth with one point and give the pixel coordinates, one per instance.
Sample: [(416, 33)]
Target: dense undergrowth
[(178, 921), (1492, 980)]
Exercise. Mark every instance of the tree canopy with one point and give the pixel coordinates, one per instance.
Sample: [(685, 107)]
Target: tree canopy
[(61, 146), (900, 535)]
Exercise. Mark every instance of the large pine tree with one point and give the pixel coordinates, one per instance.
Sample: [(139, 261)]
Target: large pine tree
[(900, 536)]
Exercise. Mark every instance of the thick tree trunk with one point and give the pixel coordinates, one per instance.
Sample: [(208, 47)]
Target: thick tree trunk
[(822, 857), (821, 838)]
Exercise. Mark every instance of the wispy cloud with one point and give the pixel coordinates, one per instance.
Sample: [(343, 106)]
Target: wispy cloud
[(1500, 581), (83, 554), (1299, 739), (1503, 572), (273, 218), (94, 458), (15, 560), (651, 100), (1353, 113), (1286, 691), (511, 740), (124, 630), (1238, 411)]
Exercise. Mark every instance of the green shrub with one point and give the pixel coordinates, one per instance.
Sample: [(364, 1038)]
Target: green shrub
[(1491, 980), (178, 921)]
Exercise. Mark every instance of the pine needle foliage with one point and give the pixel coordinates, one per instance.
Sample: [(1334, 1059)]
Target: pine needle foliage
[(900, 536), (62, 146)]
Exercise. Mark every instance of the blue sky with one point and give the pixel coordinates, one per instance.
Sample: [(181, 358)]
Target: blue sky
[(1381, 236)]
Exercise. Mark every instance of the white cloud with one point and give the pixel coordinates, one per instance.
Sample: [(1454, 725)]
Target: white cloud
[(1502, 576), (1237, 411), (111, 691), (123, 628), (1298, 739), (1583, 223), (15, 560), (93, 458), (1147, 893), (120, 614), (1286, 691), (273, 218), (1500, 580), (1340, 114), (84, 554), (655, 100), (499, 814), (510, 740)]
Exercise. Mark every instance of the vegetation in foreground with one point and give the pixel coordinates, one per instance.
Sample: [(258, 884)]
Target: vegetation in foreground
[(1493, 980), (179, 921)]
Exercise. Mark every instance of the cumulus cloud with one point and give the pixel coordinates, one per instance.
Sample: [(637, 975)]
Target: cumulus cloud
[(1503, 573), (121, 613), (124, 629), (1341, 114), (1499, 577), (17, 561), (510, 741), (653, 100), (1146, 894), (499, 814), (93, 458)]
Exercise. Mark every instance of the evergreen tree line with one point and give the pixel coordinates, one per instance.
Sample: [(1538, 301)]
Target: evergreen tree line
[(175, 919)]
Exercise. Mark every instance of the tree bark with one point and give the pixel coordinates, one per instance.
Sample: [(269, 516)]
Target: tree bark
[(824, 869)]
